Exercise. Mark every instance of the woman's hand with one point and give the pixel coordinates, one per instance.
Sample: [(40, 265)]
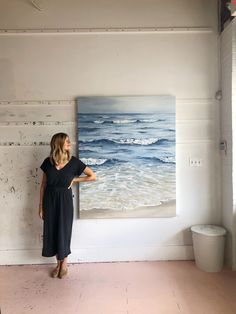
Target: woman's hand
[(41, 213), (71, 184)]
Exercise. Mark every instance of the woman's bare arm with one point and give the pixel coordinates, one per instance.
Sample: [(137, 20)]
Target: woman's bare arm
[(42, 188), (89, 176)]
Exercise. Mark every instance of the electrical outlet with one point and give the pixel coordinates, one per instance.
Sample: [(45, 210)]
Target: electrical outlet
[(195, 162)]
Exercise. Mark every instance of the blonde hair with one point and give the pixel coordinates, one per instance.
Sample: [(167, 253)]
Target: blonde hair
[(57, 153)]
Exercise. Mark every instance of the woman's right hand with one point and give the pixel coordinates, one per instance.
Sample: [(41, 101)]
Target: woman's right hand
[(41, 213)]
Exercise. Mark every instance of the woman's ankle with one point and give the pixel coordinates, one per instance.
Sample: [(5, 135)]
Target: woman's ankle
[(64, 265)]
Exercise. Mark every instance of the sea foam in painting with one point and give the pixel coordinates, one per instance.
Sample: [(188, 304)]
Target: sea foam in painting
[(130, 143)]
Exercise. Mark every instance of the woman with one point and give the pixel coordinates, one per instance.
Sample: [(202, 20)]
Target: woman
[(61, 171)]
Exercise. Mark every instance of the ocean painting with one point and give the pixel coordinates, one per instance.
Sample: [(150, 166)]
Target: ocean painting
[(129, 141)]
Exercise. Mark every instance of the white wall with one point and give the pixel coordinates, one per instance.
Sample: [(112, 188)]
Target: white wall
[(43, 72), (234, 142), (16, 14), (226, 134)]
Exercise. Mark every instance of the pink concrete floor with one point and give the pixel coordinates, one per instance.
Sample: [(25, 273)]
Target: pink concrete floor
[(118, 288)]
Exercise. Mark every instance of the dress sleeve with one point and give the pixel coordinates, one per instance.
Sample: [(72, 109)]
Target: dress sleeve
[(44, 165), (80, 166)]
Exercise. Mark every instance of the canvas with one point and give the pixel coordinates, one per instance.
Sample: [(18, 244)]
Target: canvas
[(129, 141)]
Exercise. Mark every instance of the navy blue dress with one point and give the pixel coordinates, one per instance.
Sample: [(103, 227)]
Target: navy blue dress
[(58, 207)]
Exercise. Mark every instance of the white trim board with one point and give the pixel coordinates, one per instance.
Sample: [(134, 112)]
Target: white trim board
[(101, 254)]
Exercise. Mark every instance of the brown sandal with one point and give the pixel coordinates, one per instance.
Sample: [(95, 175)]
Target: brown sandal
[(63, 273), (55, 272)]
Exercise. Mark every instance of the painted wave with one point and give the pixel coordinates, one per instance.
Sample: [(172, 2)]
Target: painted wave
[(98, 121), (85, 150), (129, 141), (126, 121), (133, 141), (100, 161), (163, 160), (87, 130)]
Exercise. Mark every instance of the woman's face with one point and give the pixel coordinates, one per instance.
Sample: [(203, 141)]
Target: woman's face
[(66, 146)]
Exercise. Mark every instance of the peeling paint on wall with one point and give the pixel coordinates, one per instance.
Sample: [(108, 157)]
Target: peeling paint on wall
[(12, 189), (36, 123), (24, 144), (37, 102)]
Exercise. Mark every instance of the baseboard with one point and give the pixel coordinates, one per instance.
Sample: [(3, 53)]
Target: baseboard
[(101, 254)]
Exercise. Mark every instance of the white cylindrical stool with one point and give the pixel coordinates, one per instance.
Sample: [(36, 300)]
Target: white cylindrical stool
[(208, 247)]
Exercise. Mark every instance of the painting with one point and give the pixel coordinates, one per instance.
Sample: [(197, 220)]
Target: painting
[(129, 141)]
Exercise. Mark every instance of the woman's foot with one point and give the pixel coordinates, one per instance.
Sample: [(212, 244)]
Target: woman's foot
[(56, 271), (63, 272), (63, 269)]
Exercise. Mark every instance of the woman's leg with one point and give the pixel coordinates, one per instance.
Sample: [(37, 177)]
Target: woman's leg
[(56, 270), (64, 263), (63, 269), (58, 261)]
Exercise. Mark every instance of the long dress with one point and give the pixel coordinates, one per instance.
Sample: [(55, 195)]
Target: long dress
[(58, 207)]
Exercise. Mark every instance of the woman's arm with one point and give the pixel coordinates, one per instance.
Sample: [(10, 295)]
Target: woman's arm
[(42, 188), (89, 176)]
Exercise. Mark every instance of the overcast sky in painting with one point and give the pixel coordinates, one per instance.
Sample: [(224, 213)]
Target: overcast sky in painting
[(126, 104)]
